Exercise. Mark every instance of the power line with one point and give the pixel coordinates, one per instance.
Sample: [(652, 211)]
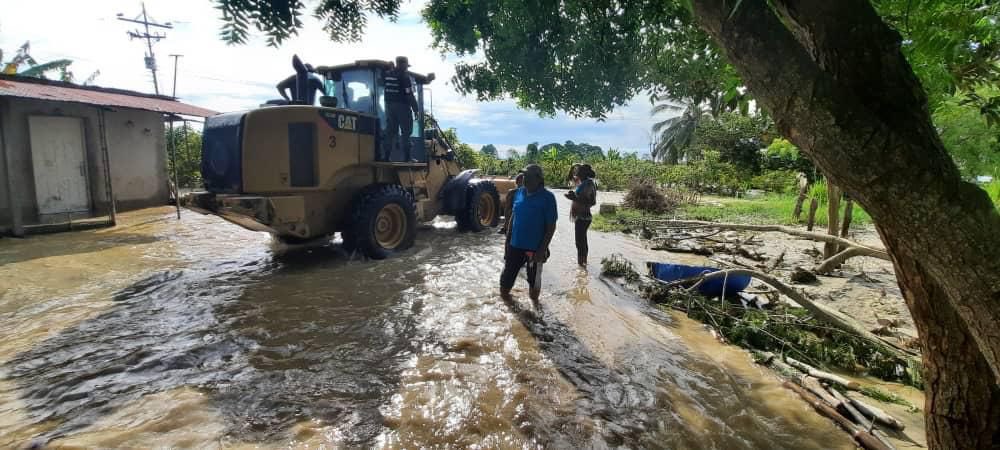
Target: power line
[(157, 36)]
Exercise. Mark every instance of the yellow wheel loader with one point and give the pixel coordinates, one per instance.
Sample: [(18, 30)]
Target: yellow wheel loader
[(304, 172)]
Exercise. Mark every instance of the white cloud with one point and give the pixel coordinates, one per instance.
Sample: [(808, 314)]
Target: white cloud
[(222, 77)]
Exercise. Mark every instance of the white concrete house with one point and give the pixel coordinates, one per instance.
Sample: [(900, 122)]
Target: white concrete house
[(70, 153)]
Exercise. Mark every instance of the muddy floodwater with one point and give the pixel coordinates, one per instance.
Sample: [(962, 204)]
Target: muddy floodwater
[(197, 333)]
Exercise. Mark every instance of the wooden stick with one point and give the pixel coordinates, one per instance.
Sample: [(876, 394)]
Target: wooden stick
[(845, 404), (877, 415), (812, 371), (863, 437), (813, 386), (861, 419), (813, 206), (833, 218)]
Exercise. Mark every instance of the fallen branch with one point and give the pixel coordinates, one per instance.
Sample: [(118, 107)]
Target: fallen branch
[(870, 251), (860, 435), (836, 260), (812, 371), (821, 312)]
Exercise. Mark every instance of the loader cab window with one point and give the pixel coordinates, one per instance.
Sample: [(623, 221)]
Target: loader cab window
[(355, 90)]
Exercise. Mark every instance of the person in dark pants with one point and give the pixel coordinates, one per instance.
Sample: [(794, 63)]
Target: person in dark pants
[(401, 106), (583, 197), (532, 225)]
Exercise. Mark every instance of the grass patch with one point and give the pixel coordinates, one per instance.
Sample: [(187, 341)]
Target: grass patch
[(770, 209)]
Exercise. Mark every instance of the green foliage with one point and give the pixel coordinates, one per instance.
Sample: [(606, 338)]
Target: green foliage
[(188, 147), (617, 265), (889, 397), (952, 45), (344, 21), (736, 137), (709, 174), (973, 144), (818, 191), (783, 155), (778, 181), (993, 190)]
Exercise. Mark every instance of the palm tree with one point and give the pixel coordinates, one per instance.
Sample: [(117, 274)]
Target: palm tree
[(677, 132)]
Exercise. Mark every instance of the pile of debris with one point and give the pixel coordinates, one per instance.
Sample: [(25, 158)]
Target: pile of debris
[(794, 336)]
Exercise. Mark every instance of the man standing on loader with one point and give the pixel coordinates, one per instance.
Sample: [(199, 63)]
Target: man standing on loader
[(401, 106)]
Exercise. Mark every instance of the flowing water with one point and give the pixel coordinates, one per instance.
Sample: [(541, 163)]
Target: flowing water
[(200, 334)]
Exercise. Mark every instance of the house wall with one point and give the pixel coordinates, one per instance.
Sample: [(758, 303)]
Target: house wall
[(135, 149)]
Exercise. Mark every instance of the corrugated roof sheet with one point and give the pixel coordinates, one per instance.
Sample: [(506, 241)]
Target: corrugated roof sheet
[(25, 87)]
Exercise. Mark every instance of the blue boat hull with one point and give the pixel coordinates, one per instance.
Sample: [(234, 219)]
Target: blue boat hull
[(711, 288)]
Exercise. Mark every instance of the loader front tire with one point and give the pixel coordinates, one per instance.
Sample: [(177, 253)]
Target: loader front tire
[(482, 207)]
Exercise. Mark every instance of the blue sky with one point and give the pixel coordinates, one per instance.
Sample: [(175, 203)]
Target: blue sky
[(226, 78)]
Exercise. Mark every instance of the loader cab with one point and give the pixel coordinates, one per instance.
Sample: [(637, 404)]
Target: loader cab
[(360, 87)]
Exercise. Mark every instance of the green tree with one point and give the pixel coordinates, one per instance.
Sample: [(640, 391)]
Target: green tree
[(531, 153), (736, 137), (677, 132), (489, 150), (835, 80), (187, 142)]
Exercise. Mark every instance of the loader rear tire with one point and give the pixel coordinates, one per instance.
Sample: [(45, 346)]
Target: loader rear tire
[(482, 207), (382, 221)]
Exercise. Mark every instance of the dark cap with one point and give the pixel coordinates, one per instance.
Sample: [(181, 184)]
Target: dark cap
[(402, 62)]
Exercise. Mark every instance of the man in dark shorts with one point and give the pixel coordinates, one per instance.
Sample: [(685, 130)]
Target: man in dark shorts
[(532, 225)]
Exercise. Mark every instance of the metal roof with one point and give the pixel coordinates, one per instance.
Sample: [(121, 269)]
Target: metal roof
[(59, 91)]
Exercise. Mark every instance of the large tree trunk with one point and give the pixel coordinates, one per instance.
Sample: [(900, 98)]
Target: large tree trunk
[(832, 76), (962, 402)]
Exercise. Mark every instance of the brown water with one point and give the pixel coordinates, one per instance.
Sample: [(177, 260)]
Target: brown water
[(200, 334)]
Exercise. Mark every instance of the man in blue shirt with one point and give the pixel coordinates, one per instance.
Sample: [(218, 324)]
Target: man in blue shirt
[(532, 224)]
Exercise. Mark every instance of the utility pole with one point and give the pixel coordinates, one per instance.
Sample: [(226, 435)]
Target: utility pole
[(174, 92), (173, 142), (150, 57)]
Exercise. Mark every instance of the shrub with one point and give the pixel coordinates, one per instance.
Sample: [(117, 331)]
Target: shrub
[(818, 191), (646, 197), (778, 181)]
